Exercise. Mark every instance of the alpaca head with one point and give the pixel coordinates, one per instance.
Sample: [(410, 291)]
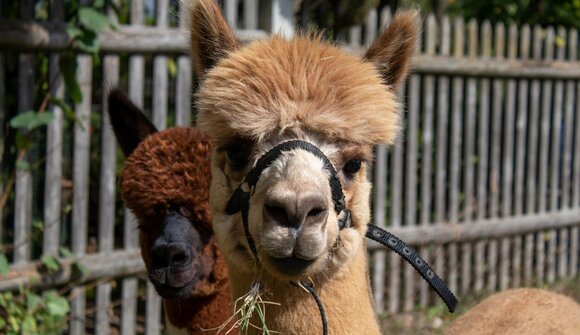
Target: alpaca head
[(165, 182), (252, 98)]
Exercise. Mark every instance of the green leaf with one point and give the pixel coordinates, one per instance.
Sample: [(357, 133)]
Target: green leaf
[(68, 68), (2, 323), (50, 263), (31, 119), (29, 325), (33, 300), (22, 164), (73, 31), (4, 267), (56, 305), (89, 42), (93, 20), (65, 252), (171, 67), (81, 268), (22, 141)]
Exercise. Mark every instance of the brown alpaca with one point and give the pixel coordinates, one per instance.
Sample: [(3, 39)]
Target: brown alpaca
[(526, 311), (255, 97), (165, 182)]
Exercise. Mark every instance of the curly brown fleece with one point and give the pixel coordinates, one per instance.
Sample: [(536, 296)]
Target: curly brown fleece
[(171, 170)]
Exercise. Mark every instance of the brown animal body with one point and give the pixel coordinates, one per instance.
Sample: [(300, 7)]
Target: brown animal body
[(165, 182), (255, 97), (524, 311)]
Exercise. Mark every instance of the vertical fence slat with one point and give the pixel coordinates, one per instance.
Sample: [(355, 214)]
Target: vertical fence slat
[(508, 177), (23, 192), (379, 258), (54, 136), (251, 14), (184, 80), (560, 128), (107, 187), (544, 150), (442, 142), (81, 158), (455, 156), (396, 216), (136, 80), (574, 232), (411, 180), (469, 143), (530, 168), (520, 166), (482, 158), (427, 146), (231, 12), (495, 160)]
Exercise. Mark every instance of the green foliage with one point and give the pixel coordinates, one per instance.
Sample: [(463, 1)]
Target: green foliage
[(31, 119), (543, 12), (4, 267), (29, 313)]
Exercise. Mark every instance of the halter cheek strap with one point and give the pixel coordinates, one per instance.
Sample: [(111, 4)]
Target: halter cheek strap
[(240, 202)]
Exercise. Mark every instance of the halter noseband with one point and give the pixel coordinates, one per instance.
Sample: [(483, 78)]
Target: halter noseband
[(240, 202)]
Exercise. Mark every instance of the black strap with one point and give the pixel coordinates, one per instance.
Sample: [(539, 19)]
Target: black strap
[(308, 286), (410, 255)]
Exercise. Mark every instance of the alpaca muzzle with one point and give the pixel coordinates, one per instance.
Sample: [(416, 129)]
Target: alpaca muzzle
[(240, 202)]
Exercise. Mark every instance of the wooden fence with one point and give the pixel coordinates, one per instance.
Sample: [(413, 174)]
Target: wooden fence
[(485, 180)]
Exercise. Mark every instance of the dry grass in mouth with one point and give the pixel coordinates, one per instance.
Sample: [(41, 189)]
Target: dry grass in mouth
[(245, 307)]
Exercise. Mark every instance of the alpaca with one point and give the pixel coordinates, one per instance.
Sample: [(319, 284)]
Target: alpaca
[(252, 98), (165, 182), (526, 311)]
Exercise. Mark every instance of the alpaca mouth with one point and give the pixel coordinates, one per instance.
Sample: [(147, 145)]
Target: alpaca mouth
[(291, 266), (175, 293)]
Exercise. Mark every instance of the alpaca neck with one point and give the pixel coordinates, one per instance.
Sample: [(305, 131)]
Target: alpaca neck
[(345, 296), (191, 316)]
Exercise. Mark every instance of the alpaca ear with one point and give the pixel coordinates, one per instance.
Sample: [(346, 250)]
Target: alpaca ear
[(129, 123), (392, 50), (211, 36)]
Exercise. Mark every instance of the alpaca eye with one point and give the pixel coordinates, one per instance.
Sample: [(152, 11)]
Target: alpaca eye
[(351, 167), (238, 157)]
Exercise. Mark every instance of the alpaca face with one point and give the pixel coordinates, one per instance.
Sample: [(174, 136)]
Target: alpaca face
[(165, 182), (291, 216), (254, 97)]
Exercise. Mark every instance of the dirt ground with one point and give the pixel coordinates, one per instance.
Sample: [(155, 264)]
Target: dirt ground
[(433, 320)]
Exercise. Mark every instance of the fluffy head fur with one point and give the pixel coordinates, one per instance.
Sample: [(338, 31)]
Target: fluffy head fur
[(170, 171), (521, 311), (255, 97)]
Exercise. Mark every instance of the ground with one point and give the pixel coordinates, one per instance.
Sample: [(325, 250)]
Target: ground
[(433, 320)]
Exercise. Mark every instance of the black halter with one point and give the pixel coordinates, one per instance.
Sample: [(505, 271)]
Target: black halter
[(240, 202)]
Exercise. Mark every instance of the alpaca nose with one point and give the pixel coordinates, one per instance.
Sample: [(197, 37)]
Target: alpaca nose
[(294, 209), (171, 255)]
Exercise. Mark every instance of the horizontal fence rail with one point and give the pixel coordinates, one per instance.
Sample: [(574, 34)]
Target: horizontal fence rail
[(484, 180)]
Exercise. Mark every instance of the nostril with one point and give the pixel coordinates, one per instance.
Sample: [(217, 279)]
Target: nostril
[(170, 255), (316, 212), (177, 256), (277, 213)]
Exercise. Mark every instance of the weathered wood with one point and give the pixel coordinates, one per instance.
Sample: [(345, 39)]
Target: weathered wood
[(54, 138), (575, 196), (495, 159), (442, 142), (482, 156), (106, 191), (153, 311), (411, 156), (23, 189), (520, 165), (507, 182), (81, 159), (427, 148), (379, 257), (370, 27), (52, 36), (455, 147), (251, 14), (231, 12), (396, 216), (485, 229), (160, 74), (98, 265)]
